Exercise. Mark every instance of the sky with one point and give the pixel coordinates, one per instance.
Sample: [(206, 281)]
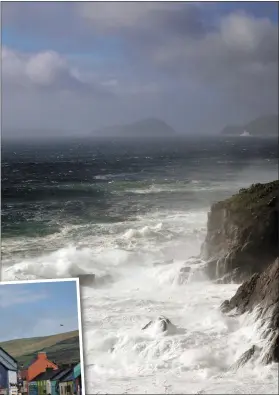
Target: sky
[(75, 67), (37, 309)]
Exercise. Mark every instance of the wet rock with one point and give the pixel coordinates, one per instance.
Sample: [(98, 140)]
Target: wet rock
[(163, 321), (272, 353), (225, 306), (183, 275), (86, 279), (242, 234), (245, 357), (261, 291), (260, 295)]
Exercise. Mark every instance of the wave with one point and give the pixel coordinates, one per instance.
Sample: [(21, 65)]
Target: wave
[(146, 231), (200, 349)]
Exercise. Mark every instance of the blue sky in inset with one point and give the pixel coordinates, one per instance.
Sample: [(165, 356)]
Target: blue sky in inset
[(37, 309)]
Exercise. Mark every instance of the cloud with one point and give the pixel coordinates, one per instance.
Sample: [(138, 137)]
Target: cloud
[(107, 16), (238, 44), (113, 62), (46, 70), (237, 52), (10, 296), (234, 56), (177, 39)]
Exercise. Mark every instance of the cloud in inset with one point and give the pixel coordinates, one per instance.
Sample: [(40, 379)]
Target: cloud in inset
[(12, 296)]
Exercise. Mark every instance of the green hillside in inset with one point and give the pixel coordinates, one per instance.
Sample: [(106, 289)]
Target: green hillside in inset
[(62, 348)]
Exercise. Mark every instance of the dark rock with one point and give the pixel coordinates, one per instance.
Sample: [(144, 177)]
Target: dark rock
[(225, 306), (272, 354), (261, 289), (260, 294), (86, 279), (163, 321), (242, 234), (183, 275), (245, 357)]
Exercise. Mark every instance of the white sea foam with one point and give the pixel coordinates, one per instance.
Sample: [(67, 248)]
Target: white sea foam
[(137, 282)]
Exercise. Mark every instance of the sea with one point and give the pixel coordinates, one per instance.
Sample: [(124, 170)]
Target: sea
[(133, 212)]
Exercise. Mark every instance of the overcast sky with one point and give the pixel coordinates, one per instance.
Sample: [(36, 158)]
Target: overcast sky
[(74, 66), (37, 309)]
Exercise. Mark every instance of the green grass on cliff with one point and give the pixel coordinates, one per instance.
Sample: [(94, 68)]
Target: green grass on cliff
[(254, 198), (62, 348), (257, 202), (254, 202)]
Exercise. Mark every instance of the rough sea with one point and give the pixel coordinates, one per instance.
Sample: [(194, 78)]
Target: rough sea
[(133, 213)]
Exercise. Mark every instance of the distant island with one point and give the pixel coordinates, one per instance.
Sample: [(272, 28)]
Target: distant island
[(150, 127), (262, 126)]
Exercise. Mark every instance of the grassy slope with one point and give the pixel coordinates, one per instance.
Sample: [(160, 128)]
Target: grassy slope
[(254, 208), (255, 198), (63, 348)]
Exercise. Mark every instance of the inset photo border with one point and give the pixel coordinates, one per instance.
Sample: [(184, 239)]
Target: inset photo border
[(41, 345)]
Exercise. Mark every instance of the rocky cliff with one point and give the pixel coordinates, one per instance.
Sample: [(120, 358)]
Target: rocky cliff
[(242, 234), (242, 245)]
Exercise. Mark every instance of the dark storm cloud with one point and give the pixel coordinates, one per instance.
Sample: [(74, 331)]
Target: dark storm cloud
[(170, 60)]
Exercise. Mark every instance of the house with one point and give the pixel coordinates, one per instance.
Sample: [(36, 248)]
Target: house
[(33, 369), (77, 380), (41, 384), (57, 378), (47, 383), (8, 374), (66, 384), (39, 365)]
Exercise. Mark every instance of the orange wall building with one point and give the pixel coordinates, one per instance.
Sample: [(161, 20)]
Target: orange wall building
[(39, 366)]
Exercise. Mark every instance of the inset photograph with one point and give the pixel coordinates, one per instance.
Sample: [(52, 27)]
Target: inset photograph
[(41, 338)]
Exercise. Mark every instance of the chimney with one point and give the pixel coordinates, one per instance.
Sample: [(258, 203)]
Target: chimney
[(42, 355)]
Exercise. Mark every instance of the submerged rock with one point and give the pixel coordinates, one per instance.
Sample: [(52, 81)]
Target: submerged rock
[(162, 321), (242, 234)]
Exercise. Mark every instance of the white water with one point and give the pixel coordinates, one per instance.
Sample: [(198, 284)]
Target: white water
[(134, 285)]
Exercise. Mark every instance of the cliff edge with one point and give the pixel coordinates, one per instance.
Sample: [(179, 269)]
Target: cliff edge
[(242, 234), (242, 245)]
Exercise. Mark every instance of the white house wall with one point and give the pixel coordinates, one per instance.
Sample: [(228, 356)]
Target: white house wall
[(12, 378)]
